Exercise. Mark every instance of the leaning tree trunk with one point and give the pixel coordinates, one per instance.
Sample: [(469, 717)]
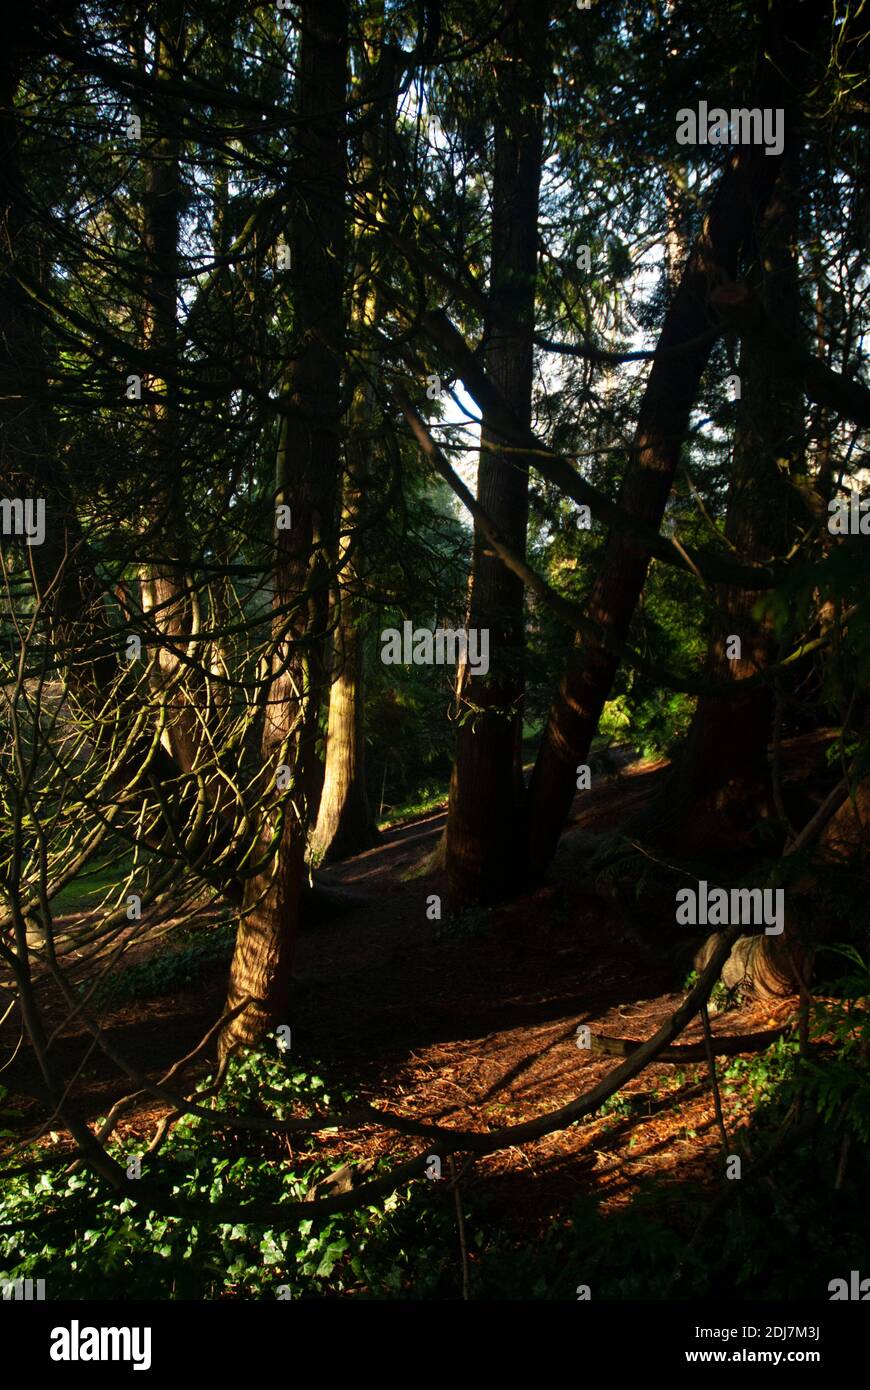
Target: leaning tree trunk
[(671, 390), (306, 480), (484, 824), (721, 793)]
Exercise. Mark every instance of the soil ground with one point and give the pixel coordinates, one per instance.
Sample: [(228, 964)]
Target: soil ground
[(470, 1023)]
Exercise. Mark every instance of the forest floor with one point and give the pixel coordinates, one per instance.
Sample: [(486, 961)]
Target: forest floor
[(469, 1022)]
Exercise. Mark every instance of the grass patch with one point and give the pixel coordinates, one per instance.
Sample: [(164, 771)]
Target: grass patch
[(91, 885), (432, 797)]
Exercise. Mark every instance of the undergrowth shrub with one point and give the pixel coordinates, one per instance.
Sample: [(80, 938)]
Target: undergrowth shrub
[(88, 1243), (174, 966), (802, 1122)]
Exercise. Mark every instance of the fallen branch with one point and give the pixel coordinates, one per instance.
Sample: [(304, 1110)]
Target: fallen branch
[(446, 1141), (731, 1045)]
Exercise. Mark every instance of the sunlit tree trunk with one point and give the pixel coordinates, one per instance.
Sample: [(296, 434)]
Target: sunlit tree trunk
[(345, 824), (306, 480)]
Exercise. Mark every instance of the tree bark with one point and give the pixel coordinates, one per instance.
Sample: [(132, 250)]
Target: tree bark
[(671, 390), (345, 824), (721, 793), (484, 828), (776, 967), (306, 480), (163, 584)]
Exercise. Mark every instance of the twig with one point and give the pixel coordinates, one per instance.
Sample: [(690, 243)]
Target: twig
[(714, 1080), (831, 803), (460, 1223), (776, 764)]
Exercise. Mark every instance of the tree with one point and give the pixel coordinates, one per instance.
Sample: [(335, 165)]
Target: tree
[(723, 793), (486, 791), (741, 198), (344, 820), (306, 479)]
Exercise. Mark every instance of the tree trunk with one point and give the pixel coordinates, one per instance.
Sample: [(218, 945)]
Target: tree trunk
[(776, 966), (165, 601), (306, 480), (345, 824), (671, 390), (721, 793), (484, 826)]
